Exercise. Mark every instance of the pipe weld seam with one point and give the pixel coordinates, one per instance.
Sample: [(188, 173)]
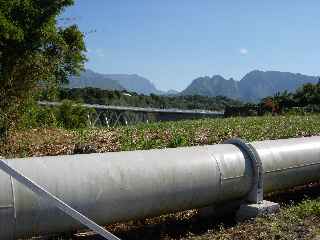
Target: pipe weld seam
[(293, 167), (218, 168)]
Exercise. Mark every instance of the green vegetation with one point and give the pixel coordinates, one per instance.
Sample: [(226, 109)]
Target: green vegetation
[(54, 141), (71, 115), (34, 53), (123, 98), (304, 100), (306, 97), (68, 115)]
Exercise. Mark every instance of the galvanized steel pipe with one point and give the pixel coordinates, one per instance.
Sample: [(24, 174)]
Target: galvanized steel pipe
[(112, 187)]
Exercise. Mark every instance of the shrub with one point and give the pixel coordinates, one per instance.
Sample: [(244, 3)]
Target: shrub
[(72, 116), (34, 116), (68, 115)]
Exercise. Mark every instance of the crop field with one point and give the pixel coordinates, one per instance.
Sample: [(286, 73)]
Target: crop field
[(299, 217)]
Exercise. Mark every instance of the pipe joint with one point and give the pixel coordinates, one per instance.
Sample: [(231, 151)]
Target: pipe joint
[(255, 195)]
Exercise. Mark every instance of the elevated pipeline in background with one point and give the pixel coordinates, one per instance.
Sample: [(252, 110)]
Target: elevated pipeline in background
[(114, 187)]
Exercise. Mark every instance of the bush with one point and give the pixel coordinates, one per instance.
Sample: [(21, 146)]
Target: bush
[(34, 116), (295, 111), (73, 116), (68, 115)]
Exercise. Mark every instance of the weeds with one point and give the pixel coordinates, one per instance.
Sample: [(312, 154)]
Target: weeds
[(54, 141)]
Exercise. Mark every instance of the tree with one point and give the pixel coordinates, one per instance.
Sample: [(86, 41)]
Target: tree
[(34, 52), (307, 94)]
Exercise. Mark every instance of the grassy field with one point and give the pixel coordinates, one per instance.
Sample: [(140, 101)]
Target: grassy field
[(41, 142), (298, 219)]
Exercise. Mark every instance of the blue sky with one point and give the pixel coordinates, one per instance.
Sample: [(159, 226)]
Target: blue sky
[(172, 42)]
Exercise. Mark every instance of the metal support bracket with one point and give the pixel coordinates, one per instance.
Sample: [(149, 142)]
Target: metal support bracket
[(256, 193), (46, 195)]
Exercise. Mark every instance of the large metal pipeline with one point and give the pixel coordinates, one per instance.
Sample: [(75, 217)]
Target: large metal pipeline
[(112, 187)]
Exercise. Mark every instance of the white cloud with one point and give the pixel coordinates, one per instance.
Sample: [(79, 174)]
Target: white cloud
[(243, 51)]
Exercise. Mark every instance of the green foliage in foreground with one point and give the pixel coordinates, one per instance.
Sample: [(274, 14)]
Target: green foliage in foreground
[(213, 131), (305, 209), (57, 141)]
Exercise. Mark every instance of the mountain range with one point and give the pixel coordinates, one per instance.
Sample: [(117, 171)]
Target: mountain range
[(129, 82), (252, 87), (135, 83), (90, 78)]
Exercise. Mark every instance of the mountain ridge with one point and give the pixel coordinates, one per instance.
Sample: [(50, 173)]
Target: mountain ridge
[(135, 83), (89, 78), (253, 86), (129, 82)]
